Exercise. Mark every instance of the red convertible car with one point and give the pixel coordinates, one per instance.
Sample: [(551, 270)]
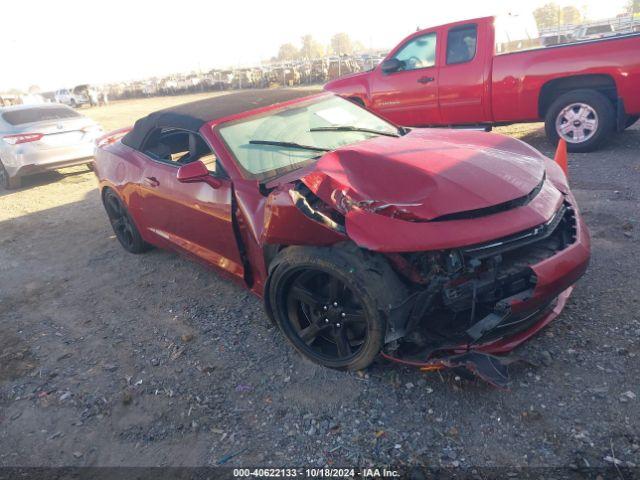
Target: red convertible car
[(429, 246)]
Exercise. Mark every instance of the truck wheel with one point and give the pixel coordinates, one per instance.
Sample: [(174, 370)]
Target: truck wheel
[(7, 182), (584, 118), (73, 103), (631, 119), (332, 302)]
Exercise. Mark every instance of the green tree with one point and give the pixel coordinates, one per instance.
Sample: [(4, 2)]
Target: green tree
[(358, 47), (341, 44), (288, 51), (311, 48), (571, 15), (551, 15), (547, 16)]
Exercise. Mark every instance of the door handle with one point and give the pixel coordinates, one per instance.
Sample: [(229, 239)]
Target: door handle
[(425, 79), (152, 181)]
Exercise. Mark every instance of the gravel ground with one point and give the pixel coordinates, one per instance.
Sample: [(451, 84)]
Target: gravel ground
[(114, 359)]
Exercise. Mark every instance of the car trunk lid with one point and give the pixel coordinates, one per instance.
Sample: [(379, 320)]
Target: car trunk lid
[(63, 132)]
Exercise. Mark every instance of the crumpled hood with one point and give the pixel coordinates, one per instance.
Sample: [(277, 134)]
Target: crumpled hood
[(427, 173)]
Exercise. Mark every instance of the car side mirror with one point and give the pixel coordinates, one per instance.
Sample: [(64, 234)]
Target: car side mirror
[(197, 172), (391, 65)]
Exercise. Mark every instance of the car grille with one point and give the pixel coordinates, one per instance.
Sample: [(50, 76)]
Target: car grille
[(545, 240)]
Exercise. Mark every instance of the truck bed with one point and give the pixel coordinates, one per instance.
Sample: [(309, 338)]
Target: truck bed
[(518, 77)]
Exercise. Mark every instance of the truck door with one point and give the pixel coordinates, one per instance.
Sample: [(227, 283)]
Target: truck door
[(464, 77), (409, 95)]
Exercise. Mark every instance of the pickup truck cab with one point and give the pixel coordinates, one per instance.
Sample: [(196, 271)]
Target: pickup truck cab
[(472, 73)]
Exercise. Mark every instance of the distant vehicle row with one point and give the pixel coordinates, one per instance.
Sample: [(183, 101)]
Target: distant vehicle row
[(80, 95)]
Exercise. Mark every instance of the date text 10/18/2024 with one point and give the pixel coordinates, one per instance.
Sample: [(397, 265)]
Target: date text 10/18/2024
[(315, 473)]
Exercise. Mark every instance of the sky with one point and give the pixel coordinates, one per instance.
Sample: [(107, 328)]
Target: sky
[(62, 43)]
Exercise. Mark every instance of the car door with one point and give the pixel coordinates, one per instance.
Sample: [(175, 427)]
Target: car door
[(195, 218), (409, 96), (463, 75)]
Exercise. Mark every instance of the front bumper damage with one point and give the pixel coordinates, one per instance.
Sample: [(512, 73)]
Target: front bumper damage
[(517, 286), (488, 257)]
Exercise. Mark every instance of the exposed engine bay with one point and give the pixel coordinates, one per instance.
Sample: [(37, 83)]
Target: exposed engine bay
[(463, 296)]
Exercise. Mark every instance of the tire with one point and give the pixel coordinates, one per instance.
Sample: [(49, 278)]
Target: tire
[(631, 119), (123, 226), (577, 110), (332, 302), (7, 182), (73, 103)]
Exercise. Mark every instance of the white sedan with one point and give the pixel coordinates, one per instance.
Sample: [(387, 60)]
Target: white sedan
[(36, 138)]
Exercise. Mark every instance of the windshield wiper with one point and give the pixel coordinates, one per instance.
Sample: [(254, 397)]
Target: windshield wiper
[(299, 146), (351, 128)]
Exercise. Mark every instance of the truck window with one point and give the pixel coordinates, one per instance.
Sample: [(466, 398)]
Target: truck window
[(599, 29), (461, 44), (419, 52)]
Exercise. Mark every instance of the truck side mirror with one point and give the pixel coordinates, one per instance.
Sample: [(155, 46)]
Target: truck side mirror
[(391, 65)]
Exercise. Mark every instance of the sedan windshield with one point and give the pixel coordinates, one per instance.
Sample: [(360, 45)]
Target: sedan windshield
[(278, 142)]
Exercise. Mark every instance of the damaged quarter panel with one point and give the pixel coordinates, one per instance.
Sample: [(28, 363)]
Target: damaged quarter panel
[(274, 220), (291, 218)]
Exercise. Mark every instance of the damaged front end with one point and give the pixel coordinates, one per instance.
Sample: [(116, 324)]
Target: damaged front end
[(472, 298), (486, 267), (468, 306)]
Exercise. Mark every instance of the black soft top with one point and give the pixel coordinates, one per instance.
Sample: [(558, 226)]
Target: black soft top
[(191, 116)]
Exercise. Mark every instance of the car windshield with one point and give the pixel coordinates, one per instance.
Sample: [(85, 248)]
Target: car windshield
[(269, 145)]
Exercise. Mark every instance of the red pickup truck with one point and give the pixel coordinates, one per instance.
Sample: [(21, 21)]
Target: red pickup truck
[(472, 73)]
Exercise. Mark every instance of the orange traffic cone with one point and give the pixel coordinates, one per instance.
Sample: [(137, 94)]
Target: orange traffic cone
[(561, 156)]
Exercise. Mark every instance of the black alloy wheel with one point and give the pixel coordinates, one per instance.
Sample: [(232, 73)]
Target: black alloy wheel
[(332, 303), (326, 315), (122, 224)]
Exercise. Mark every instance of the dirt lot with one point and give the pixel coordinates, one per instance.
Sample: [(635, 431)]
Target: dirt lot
[(112, 359)]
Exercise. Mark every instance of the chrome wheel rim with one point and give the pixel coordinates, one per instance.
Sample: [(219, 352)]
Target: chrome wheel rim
[(577, 122)]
